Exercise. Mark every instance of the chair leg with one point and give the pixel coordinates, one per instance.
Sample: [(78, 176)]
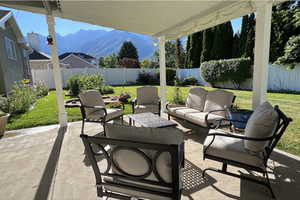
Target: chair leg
[(224, 167), (104, 131), (122, 119), (82, 127), (269, 186), (169, 117)]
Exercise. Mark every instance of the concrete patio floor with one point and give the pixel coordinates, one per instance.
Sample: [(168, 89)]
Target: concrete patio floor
[(49, 163)]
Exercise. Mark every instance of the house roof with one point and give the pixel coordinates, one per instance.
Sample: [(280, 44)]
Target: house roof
[(37, 55), (79, 54), (8, 17), (171, 19)]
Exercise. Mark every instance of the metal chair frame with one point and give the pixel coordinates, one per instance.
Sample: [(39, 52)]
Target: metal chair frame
[(101, 142), (273, 140)]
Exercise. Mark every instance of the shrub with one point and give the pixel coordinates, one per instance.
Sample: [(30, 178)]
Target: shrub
[(20, 100), (190, 81), (177, 98), (130, 63), (107, 89), (2, 113), (234, 70), (41, 89), (171, 76), (147, 78), (93, 81), (73, 85)]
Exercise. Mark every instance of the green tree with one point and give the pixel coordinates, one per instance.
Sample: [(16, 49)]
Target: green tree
[(208, 39), (170, 47), (101, 62), (250, 41), (243, 35), (128, 50), (111, 61), (146, 63), (222, 43), (236, 51), (196, 49), (187, 61), (179, 54), (291, 55), (285, 24)]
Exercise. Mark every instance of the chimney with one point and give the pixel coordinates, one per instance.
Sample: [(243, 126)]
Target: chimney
[(34, 41)]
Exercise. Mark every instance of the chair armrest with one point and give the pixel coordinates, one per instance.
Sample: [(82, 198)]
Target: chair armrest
[(168, 105), (234, 136), (95, 107), (219, 121)]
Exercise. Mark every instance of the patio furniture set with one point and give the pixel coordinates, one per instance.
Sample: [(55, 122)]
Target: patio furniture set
[(146, 162)]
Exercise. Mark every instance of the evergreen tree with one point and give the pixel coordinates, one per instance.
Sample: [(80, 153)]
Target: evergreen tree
[(243, 34), (236, 51), (170, 47), (284, 25), (179, 54), (222, 44), (196, 49), (250, 41), (128, 50), (101, 62), (187, 62), (207, 43)]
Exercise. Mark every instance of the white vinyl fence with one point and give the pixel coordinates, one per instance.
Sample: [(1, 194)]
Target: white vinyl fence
[(279, 77)]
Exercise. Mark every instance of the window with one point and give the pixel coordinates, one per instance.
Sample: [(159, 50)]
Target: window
[(10, 49)]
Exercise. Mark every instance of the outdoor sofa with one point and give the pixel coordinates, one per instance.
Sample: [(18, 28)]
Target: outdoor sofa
[(203, 108), (142, 163)]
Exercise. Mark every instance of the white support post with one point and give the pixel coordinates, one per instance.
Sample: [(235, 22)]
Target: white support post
[(162, 67), (62, 115), (261, 54)]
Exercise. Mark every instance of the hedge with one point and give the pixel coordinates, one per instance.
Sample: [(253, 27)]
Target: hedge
[(235, 70)]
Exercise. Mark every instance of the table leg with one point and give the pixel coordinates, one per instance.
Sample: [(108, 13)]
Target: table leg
[(130, 122)]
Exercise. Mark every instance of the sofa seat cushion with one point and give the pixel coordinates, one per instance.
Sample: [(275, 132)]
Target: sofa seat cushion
[(183, 112), (218, 100), (262, 123), (199, 118), (146, 108), (172, 109), (99, 114), (232, 149), (196, 98)]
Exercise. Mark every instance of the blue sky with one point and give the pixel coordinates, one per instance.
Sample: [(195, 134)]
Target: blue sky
[(30, 22)]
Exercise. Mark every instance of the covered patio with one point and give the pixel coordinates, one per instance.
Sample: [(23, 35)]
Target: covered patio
[(50, 163), (39, 164)]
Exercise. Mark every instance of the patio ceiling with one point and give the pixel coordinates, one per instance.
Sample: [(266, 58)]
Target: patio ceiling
[(171, 19)]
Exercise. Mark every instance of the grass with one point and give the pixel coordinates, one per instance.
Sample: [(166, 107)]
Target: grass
[(45, 112)]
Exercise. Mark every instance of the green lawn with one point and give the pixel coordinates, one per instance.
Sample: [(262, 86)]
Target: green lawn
[(45, 112)]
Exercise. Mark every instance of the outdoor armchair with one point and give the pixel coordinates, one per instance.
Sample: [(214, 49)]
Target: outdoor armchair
[(252, 150), (93, 109), (142, 163), (147, 100)]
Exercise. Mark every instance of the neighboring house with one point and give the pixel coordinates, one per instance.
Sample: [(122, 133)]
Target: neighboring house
[(84, 56), (14, 65), (39, 60), (76, 60)]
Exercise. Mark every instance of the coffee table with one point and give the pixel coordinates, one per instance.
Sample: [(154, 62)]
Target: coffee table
[(150, 120)]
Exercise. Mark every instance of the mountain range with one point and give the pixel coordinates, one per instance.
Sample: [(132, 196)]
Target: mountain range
[(100, 42)]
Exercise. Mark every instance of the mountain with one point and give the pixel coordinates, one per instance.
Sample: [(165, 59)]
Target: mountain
[(100, 42)]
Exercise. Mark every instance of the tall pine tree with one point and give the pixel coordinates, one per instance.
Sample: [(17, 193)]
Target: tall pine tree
[(196, 49), (222, 44), (250, 41), (179, 54), (243, 35), (128, 50), (207, 43), (187, 62)]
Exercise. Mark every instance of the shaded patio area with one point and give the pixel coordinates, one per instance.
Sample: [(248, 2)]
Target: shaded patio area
[(51, 163)]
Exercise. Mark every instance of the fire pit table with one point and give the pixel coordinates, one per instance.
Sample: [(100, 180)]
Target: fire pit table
[(74, 103)]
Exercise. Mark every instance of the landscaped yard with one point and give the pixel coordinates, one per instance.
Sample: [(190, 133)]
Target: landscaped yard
[(45, 112)]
